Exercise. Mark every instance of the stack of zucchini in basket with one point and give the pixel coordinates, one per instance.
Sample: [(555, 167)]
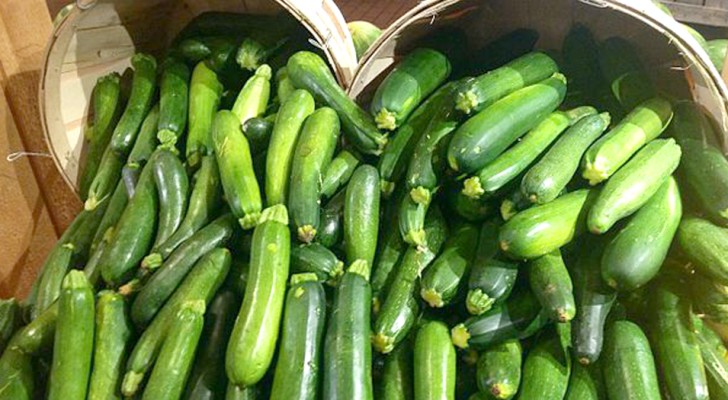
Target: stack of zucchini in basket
[(480, 232)]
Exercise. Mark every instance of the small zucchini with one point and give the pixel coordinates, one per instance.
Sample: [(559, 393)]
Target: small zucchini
[(361, 215), (253, 97), (338, 172), (629, 367), (551, 283), (171, 181), (258, 130), (434, 363), (174, 91), (315, 258), (205, 93), (499, 369), (143, 89), (331, 221)]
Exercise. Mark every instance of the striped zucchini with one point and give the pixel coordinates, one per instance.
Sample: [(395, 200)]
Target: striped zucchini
[(253, 97), (205, 93)]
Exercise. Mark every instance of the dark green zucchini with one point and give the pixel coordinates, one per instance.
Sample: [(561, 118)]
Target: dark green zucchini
[(502, 50), (172, 185), (473, 210), (140, 100), (331, 221), (105, 179), (254, 52), (628, 364), (434, 363), (205, 92), (361, 215), (36, 338), (706, 245), (391, 248), (173, 101), (258, 130), (10, 320), (499, 369), (317, 259), (551, 283), (411, 219), (396, 382), (17, 376), (338, 172)]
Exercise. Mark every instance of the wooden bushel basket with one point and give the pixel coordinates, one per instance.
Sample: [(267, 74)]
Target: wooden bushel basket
[(99, 37)]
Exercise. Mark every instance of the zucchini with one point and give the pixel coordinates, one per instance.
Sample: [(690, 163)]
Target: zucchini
[(717, 49), (706, 246), (545, 228), (317, 259), (710, 298), (105, 179), (331, 221), (634, 184), (207, 380), (716, 366), (171, 181), (347, 350), (427, 164), (611, 151), (469, 209), (411, 219), (17, 376), (434, 363), (551, 283), (236, 169), (634, 256), (391, 248), (594, 300), (205, 93), (313, 153), (629, 367), (338, 173), (483, 137), (676, 347), (174, 362), (401, 306), (10, 320), (50, 279), (193, 50), (174, 91), (253, 53), (624, 72), (442, 281), (36, 338), (499, 369), (116, 206), (491, 278), (112, 342), (284, 86), (404, 88), (490, 87), (254, 336), (363, 34), (544, 181), (299, 360), (74, 339), (165, 280), (396, 382), (515, 160), (140, 100), (513, 204), (361, 215), (258, 130), (586, 383), (253, 97), (289, 121), (547, 367), (144, 146), (309, 71), (200, 284)]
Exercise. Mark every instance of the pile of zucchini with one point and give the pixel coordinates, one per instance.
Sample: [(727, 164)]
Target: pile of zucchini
[(251, 232)]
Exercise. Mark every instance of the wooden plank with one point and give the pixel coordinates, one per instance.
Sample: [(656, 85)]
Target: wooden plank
[(698, 14), (717, 3), (694, 2)]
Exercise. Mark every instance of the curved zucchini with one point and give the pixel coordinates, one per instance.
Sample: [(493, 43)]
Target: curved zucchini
[(173, 101), (105, 179), (236, 169), (491, 278), (706, 245), (286, 130), (404, 88), (549, 176), (547, 367), (361, 215), (205, 93), (426, 166), (545, 228), (483, 137), (499, 369), (629, 367), (634, 256), (309, 71), (144, 145), (434, 362), (172, 184), (50, 279), (551, 283), (253, 97), (338, 173), (315, 258), (140, 100), (313, 153), (299, 360), (36, 337), (331, 221), (634, 184), (609, 153), (254, 336)]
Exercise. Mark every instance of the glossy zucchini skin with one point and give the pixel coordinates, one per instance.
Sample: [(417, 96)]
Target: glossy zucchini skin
[(396, 382), (499, 369), (434, 362), (706, 245), (361, 215), (483, 137), (629, 366), (338, 172), (409, 83), (140, 100), (172, 185), (173, 101), (205, 93), (551, 283), (253, 97), (315, 258), (547, 367), (331, 221), (586, 383)]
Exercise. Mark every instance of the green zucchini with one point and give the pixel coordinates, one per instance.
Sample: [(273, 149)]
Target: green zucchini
[(116, 206), (515, 160), (331, 221), (50, 279), (499, 369), (133, 235), (144, 146), (258, 130), (309, 71), (676, 347), (490, 87), (253, 97), (624, 72), (17, 376), (112, 342), (611, 151), (492, 277), (193, 50), (547, 367), (203, 205), (200, 284), (716, 366), (361, 215), (434, 363), (443, 280), (427, 165), (363, 34), (396, 382), (401, 306), (706, 245), (411, 219), (165, 280), (629, 367), (634, 256), (205, 93), (404, 88), (10, 320), (542, 229), (105, 179), (317, 259), (284, 85), (299, 360), (36, 338), (338, 172), (717, 49), (347, 349), (174, 362), (289, 121), (586, 383), (236, 169), (514, 203), (253, 53), (551, 283), (594, 300), (254, 336), (74, 339), (634, 184), (207, 380), (391, 248), (313, 153), (547, 179), (140, 100), (173, 101), (710, 298), (171, 181), (483, 137)]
